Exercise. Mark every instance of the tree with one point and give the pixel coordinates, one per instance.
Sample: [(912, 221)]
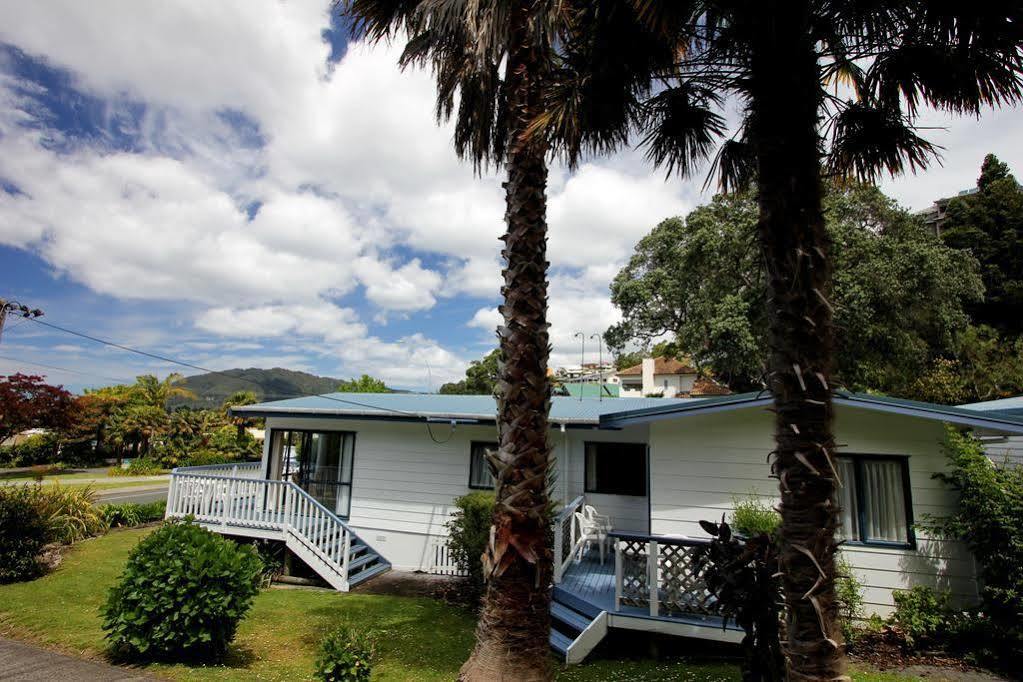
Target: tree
[(237, 399), (480, 377), (784, 61), (984, 366), (899, 292), (364, 384), (26, 402), (989, 224), (154, 392)]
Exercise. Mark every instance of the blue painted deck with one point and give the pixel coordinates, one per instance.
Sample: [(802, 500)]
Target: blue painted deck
[(589, 588)]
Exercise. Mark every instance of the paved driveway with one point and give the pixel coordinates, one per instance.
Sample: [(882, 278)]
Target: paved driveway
[(20, 662)]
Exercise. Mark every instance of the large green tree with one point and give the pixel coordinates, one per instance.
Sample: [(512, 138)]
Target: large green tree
[(480, 377), (899, 292), (363, 384), (989, 224), (823, 87)]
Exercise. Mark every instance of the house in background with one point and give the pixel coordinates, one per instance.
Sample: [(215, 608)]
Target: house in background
[(665, 378), (358, 484)]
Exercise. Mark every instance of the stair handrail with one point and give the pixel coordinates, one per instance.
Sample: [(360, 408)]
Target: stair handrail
[(566, 528)]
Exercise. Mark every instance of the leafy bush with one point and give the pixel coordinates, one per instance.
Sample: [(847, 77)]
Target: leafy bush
[(849, 594), (925, 616), (744, 576), (468, 535), (40, 448), (70, 512), (142, 466), (129, 514), (345, 655), (22, 534), (989, 520), (182, 594), (200, 458), (753, 516)]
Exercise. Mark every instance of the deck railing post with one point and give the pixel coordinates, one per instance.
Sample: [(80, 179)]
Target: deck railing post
[(559, 547), (652, 555), (287, 508), (226, 504), (171, 508), (619, 567)]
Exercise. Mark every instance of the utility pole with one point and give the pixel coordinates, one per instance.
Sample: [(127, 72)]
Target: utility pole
[(582, 361), (600, 366), (14, 308)]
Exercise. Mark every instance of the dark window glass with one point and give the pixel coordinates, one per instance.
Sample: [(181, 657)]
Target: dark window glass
[(616, 468), (479, 469)]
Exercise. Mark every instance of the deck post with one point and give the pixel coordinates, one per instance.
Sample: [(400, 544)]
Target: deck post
[(287, 508), (618, 575), (559, 533), (652, 555), (226, 505), (171, 499)]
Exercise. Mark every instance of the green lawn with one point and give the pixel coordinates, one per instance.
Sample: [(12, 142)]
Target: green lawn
[(418, 639)]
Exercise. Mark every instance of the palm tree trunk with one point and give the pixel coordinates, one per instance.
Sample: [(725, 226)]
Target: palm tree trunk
[(785, 101), (514, 624)]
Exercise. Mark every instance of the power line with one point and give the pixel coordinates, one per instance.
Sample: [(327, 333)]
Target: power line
[(164, 358), (62, 369)]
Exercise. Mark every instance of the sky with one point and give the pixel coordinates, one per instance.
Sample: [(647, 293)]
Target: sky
[(233, 184)]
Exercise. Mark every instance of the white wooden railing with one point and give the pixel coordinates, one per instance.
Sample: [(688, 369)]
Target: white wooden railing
[(661, 574), (568, 539), (250, 502)]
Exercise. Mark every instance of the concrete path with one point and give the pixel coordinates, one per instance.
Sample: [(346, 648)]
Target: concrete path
[(20, 662)]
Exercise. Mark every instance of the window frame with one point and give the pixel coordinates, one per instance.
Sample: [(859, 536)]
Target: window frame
[(858, 459), (646, 468), (472, 447)]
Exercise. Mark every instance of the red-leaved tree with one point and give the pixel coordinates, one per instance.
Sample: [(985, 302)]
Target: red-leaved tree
[(26, 402)]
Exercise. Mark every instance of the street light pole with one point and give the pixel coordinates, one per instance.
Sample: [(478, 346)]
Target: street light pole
[(11, 307), (600, 366), (582, 361)]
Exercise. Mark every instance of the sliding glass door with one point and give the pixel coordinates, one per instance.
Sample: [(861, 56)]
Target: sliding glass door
[(320, 462)]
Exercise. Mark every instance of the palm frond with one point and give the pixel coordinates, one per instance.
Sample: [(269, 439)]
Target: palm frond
[(683, 127), (867, 140), (378, 19), (734, 166)]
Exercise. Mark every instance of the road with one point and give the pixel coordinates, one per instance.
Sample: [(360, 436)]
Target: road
[(138, 494)]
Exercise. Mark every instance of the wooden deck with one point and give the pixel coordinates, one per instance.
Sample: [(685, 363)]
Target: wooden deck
[(589, 588)]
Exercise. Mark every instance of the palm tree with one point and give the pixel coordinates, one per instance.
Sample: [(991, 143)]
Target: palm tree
[(237, 399), (156, 393), (491, 60), (825, 88)]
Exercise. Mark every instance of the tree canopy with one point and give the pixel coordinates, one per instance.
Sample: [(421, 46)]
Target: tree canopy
[(989, 224), (27, 402), (480, 377), (899, 296), (364, 384)]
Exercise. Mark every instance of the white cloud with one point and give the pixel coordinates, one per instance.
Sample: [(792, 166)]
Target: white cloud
[(407, 288), (325, 320), (487, 319)]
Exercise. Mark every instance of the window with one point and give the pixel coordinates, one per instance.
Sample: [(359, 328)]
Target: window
[(616, 468), (479, 469), (875, 500), (319, 462)]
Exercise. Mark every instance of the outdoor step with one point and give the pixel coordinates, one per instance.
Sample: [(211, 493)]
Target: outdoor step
[(560, 642), (365, 575), (569, 617), (361, 561)]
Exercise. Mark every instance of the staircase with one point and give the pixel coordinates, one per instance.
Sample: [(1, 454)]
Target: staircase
[(243, 504), (576, 627)]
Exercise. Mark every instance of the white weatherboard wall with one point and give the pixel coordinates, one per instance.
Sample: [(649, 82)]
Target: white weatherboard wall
[(404, 484), (699, 463)]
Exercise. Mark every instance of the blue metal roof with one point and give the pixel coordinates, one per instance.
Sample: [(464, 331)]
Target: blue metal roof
[(419, 406), (1011, 406), (607, 413)]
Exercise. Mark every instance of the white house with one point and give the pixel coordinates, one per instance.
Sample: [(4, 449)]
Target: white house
[(357, 484), (664, 378), (1002, 449)]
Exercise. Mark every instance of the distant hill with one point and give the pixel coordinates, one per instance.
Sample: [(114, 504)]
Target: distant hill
[(267, 384)]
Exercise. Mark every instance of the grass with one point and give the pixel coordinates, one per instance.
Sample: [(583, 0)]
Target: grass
[(417, 638)]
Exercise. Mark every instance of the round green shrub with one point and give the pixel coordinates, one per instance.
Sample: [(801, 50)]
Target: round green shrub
[(23, 532), (468, 535), (346, 655), (181, 595)]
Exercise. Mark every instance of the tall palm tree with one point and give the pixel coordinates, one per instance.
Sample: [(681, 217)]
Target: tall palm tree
[(155, 392), (237, 399), (825, 87)]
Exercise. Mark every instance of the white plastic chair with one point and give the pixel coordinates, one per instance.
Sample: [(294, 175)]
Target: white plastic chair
[(590, 532), (596, 519)]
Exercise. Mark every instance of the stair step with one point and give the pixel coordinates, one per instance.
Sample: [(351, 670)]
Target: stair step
[(560, 642), (570, 617), (361, 561), (365, 575)]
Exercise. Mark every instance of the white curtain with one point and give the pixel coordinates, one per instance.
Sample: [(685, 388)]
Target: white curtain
[(849, 528), (884, 499)]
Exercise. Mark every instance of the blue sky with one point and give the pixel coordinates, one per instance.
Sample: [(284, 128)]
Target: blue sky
[(232, 184)]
